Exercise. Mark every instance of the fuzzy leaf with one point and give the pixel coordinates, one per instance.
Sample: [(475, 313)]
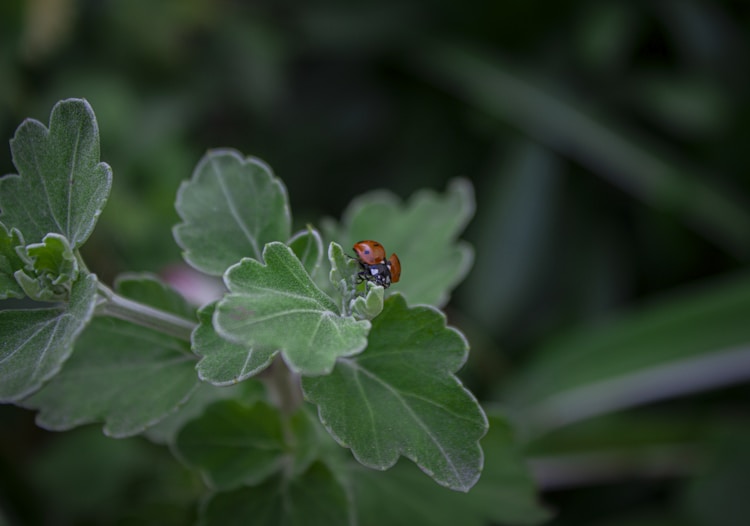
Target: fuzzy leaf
[(10, 262), (314, 498), (61, 187), (224, 362), (51, 269), (277, 306), (400, 397), (234, 444), (125, 375), (230, 208), (422, 232), (35, 343), (308, 247), (504, 495)]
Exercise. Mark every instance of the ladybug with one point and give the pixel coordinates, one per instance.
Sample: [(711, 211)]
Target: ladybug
[(374, 267)]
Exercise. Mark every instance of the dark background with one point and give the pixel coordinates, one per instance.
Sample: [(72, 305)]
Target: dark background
[(607, 141)]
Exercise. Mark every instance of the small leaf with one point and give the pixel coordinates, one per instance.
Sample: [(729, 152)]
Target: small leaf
[(369, 306), (504, 495), (35, 343), (51, 269), (234, 444), (400, 397), (277, 306), (10, 262), (125, 375), (315, 498), (422, 232), (308, 247), (61, 187), (230, 208), (224, 362)]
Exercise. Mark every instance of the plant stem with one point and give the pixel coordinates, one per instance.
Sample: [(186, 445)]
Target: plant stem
[(125, 309), (284, 386)]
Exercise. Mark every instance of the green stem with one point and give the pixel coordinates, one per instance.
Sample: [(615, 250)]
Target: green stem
[(125, 309)]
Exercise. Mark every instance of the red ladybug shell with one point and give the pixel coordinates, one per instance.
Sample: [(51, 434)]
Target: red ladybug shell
[(370, 252), (395, 268)]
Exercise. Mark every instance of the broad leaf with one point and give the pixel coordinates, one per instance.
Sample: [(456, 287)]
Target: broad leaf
[(400, 397), (314, 498), (277, 306), (61, 187), (423, 232), (165, 432), (505, 494), (10, 262), (230, 208), (694, 341), (233, 444), (125, 375), (224, 362), (35, 343)]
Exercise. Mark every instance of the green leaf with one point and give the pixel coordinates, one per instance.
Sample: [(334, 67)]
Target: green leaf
[(400, 397), (314, 498), (277, 306), (61, 187), (35, 343), (505, 494), (233, 444), (125, 375), (694, 341), (10, 262), (307, 245), (230, 208), (422, 232), (224, 362), (51, 269), (165, 432)]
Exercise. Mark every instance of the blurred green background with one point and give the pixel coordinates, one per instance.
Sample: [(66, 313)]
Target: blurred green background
[(607, 140)]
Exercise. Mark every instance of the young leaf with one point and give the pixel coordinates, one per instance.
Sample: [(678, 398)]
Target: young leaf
[(400, 397), (127, 376), (61, 187), (230, 208), (314, 498), (234, 444), (504, 495), (224, 362), (10, 262), (51, 269), (277, 306), (423, 233), (35, 343), (308, 247)]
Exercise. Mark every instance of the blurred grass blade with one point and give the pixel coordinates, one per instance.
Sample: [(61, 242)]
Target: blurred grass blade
[(683, 345), (607, 149)]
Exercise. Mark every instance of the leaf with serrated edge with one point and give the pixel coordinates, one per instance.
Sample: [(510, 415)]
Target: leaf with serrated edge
[(224, 362), (61, 187), (314, 498), (278, 306), (10, 262), (35, 343), (504, 495), (230, 208), (308, 246), (422, 232), (125, 375), (400, 397)]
